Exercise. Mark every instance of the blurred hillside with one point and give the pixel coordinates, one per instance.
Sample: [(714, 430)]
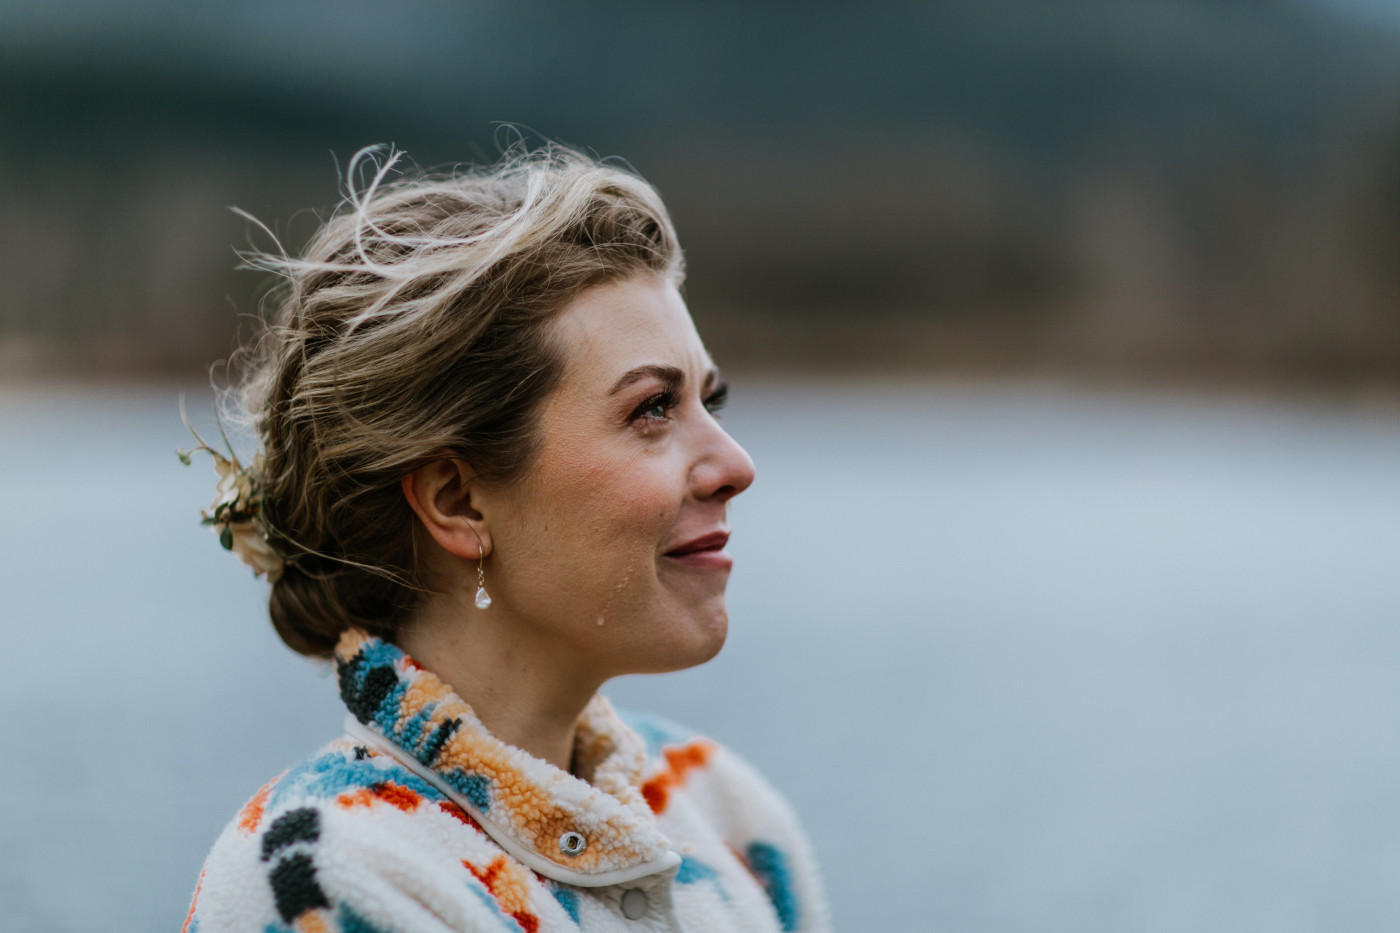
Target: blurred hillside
[(1175, 189)]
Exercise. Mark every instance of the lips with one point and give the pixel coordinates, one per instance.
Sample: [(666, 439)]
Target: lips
[(703, 552), (714, 541)]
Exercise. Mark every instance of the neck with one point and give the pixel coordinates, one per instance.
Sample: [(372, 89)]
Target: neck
[(521, 693)]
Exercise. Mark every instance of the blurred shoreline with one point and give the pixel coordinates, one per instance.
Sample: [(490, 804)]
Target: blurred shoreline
[(1144, 192), (1349, 392)]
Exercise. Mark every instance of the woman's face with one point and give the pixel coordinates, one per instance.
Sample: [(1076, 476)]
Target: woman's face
[(611, 547)]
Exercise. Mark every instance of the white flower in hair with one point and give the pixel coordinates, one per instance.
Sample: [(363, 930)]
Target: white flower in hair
[(252, 547), (233, 486), (236, 512)]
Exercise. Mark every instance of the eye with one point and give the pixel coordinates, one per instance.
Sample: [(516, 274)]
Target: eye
[(655, 408)]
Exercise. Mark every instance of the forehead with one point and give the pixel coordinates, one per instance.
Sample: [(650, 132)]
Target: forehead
[(619, 326)]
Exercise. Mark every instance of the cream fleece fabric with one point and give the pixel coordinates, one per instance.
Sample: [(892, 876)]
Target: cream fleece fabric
[(419, 820)]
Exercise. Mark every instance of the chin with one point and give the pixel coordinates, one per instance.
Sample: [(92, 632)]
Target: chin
[(715, 642), (712, 628), (704, 638)]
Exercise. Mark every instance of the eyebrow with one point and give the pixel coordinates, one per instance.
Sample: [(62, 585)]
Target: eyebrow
[(673, 376)]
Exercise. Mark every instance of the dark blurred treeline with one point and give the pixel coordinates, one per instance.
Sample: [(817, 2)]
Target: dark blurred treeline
[(1174, 189)]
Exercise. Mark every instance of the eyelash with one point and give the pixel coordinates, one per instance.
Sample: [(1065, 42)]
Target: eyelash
[(670, 398), (718, 398)]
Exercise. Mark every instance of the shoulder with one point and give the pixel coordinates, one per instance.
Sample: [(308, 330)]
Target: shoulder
[(695, 784), (355, 840)]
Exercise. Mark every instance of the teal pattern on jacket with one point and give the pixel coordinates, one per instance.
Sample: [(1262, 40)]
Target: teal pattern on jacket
[(420, 821)]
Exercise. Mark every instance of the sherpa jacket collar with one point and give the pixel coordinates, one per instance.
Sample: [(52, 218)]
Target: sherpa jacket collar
[(533, 810)]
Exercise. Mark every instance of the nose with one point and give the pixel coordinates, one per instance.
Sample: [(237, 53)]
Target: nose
[(724, 470)]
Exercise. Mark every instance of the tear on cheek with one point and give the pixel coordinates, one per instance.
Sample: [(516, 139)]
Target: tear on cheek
[(614, 592)]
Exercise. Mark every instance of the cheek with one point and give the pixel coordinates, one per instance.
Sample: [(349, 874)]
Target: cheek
[(595, 543), (607, 518)]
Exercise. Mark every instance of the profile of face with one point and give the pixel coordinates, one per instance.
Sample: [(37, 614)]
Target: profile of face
[(611, 548)]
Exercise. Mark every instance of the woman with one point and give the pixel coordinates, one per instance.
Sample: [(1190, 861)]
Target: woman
[(492, 479)]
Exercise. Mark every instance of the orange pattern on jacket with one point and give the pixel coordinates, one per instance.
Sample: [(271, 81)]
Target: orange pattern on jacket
[(252, 812), (313, 921), (387, 791), (509, 884), (199, 886), (680, 761)]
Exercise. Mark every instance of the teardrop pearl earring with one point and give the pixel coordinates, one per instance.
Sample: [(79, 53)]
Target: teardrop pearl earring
[(483, 598)]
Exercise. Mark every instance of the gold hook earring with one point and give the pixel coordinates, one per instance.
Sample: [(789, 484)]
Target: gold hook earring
[(483, 598)]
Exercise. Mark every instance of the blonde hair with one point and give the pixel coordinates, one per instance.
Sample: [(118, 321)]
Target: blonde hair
[(416, 325)]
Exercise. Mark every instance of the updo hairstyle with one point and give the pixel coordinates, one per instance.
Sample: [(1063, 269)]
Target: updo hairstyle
[(416, 326)]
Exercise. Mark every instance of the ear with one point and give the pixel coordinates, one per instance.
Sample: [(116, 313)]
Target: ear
[(440, 495)]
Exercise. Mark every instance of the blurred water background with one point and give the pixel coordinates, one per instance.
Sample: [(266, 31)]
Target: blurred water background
[(1066, 337), (1024, 658)]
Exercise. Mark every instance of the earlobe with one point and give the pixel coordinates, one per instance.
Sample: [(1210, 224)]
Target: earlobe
[(440, 495)]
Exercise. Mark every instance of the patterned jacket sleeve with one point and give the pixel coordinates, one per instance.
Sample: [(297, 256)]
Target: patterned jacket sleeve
[(766, 833), (699, 779)]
